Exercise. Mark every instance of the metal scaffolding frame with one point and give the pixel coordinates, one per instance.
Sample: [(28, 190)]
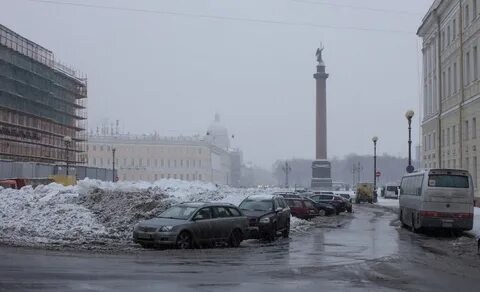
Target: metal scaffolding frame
[(42, 101)]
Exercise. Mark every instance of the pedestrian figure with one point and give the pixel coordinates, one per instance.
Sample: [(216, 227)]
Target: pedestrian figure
[(478, 246)]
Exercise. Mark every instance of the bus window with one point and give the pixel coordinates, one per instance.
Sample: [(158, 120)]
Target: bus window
[(448, 181)]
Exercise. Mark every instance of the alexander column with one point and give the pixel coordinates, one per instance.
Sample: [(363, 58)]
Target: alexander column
[(321, 168)]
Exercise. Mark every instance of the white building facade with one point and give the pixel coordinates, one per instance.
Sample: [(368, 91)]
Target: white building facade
[(451, 86), (152, 157)]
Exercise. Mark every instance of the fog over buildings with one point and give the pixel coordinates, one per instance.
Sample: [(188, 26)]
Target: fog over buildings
[(167, 66)]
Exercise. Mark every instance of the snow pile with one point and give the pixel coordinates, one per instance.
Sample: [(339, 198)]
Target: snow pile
[(391, 203), (118, 210), (299, 225), (96, 212), (476, 223), (48, 214)]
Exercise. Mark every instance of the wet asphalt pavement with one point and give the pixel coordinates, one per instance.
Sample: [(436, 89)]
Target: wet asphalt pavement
[(364, 251)]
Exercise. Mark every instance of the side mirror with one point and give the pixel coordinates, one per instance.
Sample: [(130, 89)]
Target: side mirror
[(279, 209)]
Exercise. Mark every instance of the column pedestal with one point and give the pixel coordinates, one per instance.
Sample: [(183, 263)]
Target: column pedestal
[(321, 175)]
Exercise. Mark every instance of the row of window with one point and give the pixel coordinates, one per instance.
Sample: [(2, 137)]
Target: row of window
[(187, 150), (37, 82), (216, 212), (450, 76), (449, 135), (154, 163), (36, 123), (449, 33), (32, 151), (187, 176)]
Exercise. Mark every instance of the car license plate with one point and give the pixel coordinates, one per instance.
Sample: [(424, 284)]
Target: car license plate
[(144, 236), (447, 224)]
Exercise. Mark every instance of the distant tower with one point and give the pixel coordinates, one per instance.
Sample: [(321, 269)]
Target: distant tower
[(217, 134), (321, 168)]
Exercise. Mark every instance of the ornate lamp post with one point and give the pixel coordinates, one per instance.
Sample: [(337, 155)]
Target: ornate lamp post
[(68, 141), (409, 115), (287, 169), (113, 164), (374, 140)]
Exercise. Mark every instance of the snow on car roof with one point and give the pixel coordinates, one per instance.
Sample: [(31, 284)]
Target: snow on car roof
[(261, 197), (204, 204)]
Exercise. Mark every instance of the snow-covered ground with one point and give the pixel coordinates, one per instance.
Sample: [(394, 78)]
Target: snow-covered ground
[(103, 213), (476, 223), (393, 203)]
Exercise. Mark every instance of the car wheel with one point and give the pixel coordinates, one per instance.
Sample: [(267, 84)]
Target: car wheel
[(457, 232), (286, 232), (184, 240), (235, 238), (146, 245), (273, 232), (321, 213)]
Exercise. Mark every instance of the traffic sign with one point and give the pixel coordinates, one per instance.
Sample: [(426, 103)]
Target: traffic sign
[(410, 169), (378, 173)]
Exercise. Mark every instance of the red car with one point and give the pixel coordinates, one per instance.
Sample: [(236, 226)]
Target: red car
[(302, 208)]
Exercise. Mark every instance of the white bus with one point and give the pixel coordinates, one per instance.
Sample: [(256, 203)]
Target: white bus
[(437, 198)]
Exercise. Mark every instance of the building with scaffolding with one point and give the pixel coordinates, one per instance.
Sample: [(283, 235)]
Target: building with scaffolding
[(42, 103)]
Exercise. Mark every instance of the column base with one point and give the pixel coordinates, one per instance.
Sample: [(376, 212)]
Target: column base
[(321, 175)]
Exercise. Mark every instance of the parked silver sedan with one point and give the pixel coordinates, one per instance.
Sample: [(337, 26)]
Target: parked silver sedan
[(193, 224)]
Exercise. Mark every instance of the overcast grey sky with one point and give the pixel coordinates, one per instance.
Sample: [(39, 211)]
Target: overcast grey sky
[(171, 73)]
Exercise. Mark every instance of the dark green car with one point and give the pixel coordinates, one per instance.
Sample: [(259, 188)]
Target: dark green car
[(191, 225)]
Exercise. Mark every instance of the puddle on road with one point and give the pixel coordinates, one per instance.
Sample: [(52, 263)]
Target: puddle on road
[(336, 240)]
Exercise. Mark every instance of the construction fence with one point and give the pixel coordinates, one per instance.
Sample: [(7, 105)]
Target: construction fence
[(15, 169)]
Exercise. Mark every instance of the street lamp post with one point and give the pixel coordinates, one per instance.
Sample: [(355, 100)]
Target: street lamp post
[(113, 163), (287, 169), (374, 140), (409, 115), (67, 140)]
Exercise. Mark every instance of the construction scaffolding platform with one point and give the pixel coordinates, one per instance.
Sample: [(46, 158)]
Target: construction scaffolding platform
[(41, 102)]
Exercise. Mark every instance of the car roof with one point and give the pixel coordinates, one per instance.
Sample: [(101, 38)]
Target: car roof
[(264, 197), (207, 204)]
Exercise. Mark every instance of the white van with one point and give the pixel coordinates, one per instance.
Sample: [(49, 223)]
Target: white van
[(391, 191), (437, 198)]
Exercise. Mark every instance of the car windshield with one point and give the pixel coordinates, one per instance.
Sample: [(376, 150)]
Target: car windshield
[(391, 188), (178, 212), (257, 205)]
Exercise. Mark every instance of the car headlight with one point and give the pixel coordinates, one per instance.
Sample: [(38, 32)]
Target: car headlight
[(264, 220), (165, 228), (135, 228)]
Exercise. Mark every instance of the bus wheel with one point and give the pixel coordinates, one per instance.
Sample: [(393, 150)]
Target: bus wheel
[(401, 220), (414, 230)]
